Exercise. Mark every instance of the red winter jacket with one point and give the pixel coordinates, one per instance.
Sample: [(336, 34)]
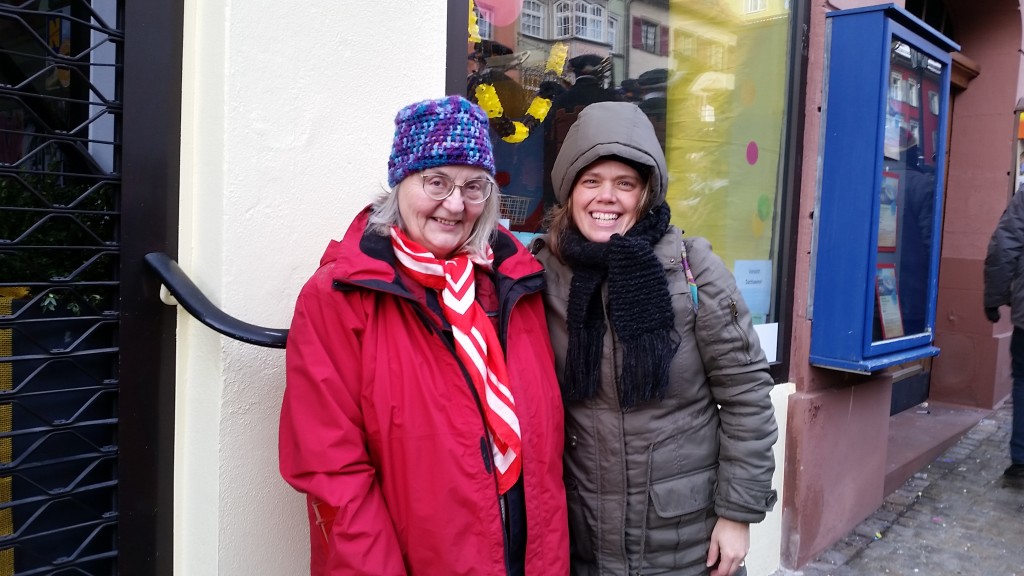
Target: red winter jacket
[(381, 430)]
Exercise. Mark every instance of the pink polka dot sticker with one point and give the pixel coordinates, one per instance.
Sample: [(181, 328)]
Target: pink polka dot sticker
[(752, 153)]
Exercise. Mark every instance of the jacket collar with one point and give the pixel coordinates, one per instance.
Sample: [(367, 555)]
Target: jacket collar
[(668, 248), (367, 259)]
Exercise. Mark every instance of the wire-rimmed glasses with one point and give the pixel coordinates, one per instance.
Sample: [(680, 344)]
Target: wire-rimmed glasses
[(438, 187)]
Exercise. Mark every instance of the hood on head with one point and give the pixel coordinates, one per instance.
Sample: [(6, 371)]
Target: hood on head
[(609, 129)]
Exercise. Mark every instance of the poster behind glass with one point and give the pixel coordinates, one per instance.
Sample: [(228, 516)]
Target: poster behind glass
[(907, 192)]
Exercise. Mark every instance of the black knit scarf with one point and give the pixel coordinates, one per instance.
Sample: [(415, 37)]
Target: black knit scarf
[(639, 308)]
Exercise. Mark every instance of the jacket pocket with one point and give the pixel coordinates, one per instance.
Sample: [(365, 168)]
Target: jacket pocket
[(581, 533), (680, 519), (726, 326)]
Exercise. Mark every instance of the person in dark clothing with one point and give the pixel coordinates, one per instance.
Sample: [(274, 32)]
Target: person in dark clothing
[(629, 90), (654, 85), (916, 240), (654, 102), (1004, 285)]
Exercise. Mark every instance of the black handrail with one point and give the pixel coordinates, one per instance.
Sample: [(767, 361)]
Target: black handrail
[(199, 306)]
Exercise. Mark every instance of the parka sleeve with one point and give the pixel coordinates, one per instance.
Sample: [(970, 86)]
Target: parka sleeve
[(1004, 252), (322, 437), (740, 383)]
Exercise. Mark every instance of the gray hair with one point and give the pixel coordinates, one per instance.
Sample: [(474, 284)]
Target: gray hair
[(384, 214)]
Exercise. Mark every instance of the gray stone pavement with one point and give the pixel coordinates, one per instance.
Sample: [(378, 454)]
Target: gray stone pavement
[(956, 516)]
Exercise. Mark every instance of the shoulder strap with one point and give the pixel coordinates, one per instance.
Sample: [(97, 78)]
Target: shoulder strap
[(689, 274)]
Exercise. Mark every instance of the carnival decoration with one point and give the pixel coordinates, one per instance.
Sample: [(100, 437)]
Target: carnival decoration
[(474, 26), (517, 130)]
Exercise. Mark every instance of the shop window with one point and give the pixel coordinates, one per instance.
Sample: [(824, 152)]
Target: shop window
[(713, 83)]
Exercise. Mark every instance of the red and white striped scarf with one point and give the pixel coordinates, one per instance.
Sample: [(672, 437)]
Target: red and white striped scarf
[(476, 344)]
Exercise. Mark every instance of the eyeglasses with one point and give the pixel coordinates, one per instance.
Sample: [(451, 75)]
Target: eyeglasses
[(439, 187)]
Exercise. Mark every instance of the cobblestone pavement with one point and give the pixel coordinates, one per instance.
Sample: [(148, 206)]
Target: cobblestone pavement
[(956, 516)]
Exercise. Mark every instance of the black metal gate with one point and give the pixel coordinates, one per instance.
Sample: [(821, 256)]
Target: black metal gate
[(60, 123)]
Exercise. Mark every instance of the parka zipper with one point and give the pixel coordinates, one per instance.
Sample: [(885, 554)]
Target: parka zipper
[(735, 312), (485, 446)]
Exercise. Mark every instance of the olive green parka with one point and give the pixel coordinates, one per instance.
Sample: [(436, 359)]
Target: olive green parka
[(646, 486)]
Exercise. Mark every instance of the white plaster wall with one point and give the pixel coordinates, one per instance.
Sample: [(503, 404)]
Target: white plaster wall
[(766, 538), (286, 130)]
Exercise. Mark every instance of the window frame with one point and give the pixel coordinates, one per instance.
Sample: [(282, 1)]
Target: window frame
[(612, 34), (483, 20), (588, 21), (754, 6), (645, 27), (532, 10), (563, 20)]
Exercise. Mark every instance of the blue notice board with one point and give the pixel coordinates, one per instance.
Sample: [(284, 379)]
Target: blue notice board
[(879, 207)]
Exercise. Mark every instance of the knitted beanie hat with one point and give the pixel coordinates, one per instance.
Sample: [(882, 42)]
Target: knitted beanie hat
[(443, 132)]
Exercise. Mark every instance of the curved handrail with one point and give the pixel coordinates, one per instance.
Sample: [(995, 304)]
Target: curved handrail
[(199, 306)]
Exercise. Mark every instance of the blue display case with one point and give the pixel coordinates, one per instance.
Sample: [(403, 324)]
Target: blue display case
[(879, 213)]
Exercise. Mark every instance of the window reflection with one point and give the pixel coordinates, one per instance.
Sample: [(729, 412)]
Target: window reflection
[(907, 195), (710, 76)]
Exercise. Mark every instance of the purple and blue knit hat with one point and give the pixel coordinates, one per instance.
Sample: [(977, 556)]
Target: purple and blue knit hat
[(443, 132)]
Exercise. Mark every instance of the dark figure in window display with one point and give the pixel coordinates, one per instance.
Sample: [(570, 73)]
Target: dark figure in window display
[(591, 72), (490, 63), (915, 238), (629, 90), (654, 100)]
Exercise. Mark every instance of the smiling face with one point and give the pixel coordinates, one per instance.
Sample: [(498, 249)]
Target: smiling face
[(440, 226), (605, 199)]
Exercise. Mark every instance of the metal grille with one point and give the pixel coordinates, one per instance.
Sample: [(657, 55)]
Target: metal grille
[(60, 71), (513, 208)]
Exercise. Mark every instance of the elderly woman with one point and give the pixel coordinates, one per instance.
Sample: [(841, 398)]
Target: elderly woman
[(669, 424), (421, 446)]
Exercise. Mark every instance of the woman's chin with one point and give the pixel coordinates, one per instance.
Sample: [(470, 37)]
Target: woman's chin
[(602, 234), (444, 247)]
